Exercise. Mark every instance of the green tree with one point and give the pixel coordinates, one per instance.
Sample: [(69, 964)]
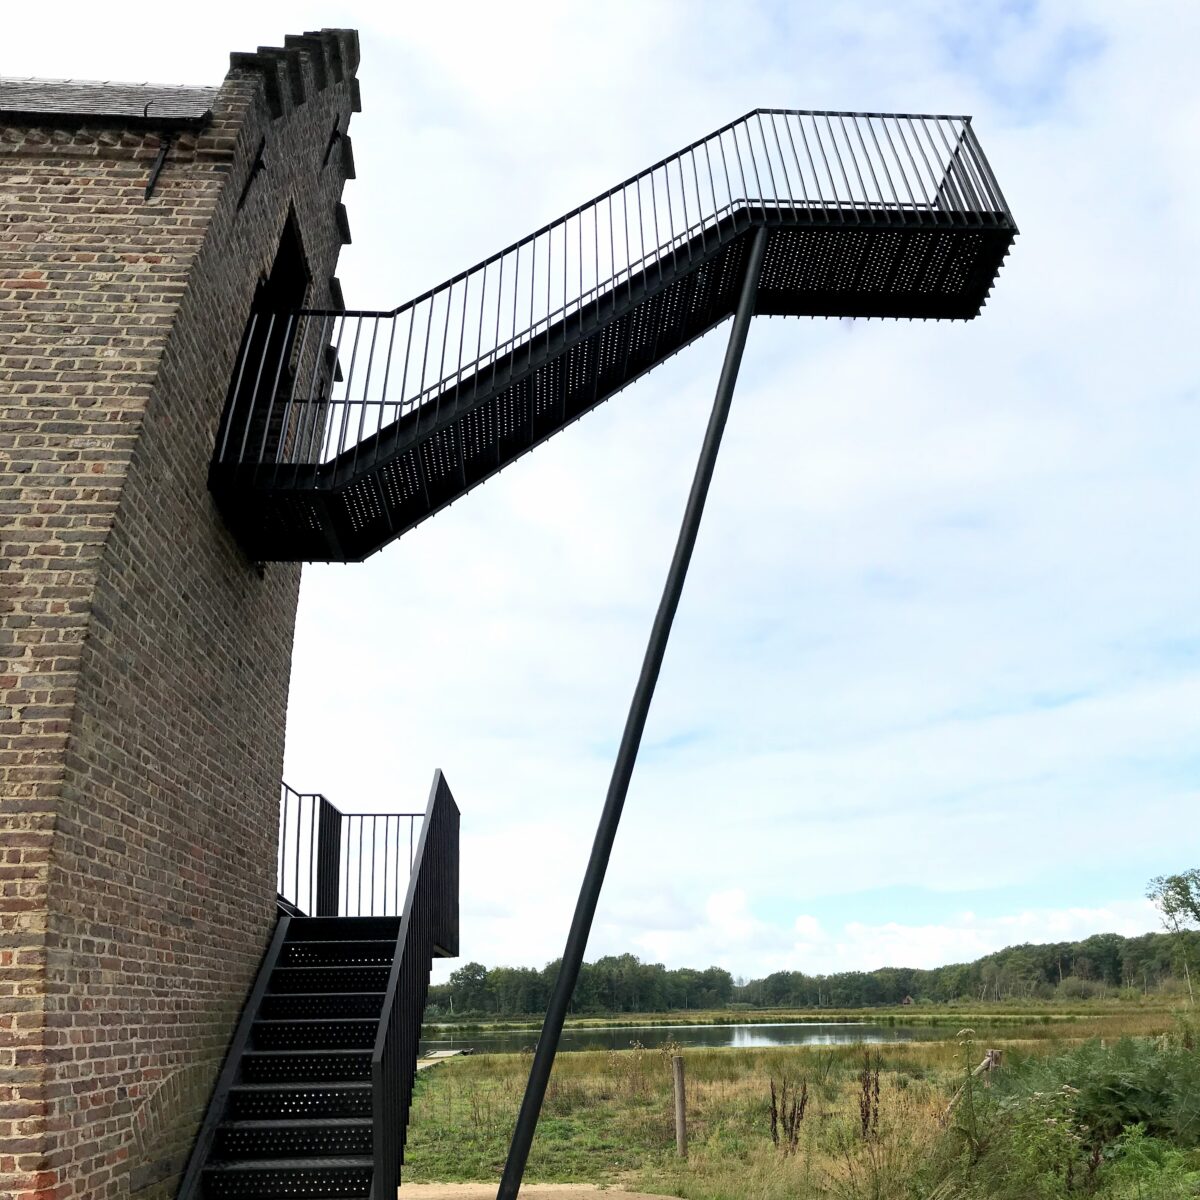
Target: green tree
[(1177, 898)]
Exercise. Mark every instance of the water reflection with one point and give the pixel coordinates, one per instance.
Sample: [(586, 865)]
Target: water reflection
[(782, 1033)]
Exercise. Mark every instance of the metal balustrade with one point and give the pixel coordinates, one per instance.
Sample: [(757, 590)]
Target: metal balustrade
[(399, 412), (336, 864)]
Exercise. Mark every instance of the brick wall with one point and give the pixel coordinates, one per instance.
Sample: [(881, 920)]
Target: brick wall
[(145, 664)]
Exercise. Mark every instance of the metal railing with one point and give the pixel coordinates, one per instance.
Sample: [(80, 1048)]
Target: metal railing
[(336, 864), (429, 927), (313, 386)]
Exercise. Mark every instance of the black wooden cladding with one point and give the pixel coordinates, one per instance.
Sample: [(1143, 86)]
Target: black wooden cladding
[(314, 1095), (368, 423)]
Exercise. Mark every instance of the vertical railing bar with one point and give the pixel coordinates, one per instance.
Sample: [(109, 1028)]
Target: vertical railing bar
[(787, 124), (975, 183), (952, 174), (311, 415), (883, 163), (412, 320), (532, 302), (328, 417), (479, 331), (962, 173), (870, 165), (745, 126), (767, 155), (499, 306), (628, 252), (687, 228), (243, 358), (816, 131), (712, 187), (908, 151), (440, 382), (387, 375), (944, 192), (341, 446), (987, 196), (283, 823), (420, 396), (725, 170), (782, 161), (931, 205), (986, 167), (658, 254), (361, 828), (313, 845), (742, 173), (857, 170), (700, 207), (516, 295), (257, 382), (612, 255), (284, 441), (841, 167), (462, 334), (362, 416), (344, 881)]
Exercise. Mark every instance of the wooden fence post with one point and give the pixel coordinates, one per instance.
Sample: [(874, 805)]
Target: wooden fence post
[(680, 1106)]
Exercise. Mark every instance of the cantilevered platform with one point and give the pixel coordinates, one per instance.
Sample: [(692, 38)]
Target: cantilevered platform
[(344, 429)]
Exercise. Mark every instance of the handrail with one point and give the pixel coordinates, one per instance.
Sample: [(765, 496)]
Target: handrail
[(332, 863), (429, 927), (306, 380), (189, 1187)]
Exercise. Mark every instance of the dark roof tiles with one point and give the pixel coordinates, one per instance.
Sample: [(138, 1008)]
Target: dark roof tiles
[(148, 103)]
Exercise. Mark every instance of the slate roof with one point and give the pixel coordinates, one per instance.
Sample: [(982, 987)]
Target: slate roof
[(145, 104)]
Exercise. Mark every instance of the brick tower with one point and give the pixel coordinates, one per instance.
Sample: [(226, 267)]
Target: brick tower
[(145, 663)]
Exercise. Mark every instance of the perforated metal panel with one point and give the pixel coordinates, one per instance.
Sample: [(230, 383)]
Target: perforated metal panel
[(299, 1101), (338, 978), (305, 1138), (330, 1004), (312, 1066), (284, 1178)]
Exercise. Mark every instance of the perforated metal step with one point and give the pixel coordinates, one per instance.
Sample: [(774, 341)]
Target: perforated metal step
[(296, 1006), (276, 1179), (335, 1033), (305, 1066), (300, 1101), (309, 1138), (331, 952)]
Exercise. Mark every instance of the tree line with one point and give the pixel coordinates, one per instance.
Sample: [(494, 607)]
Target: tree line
[(1103, 965)]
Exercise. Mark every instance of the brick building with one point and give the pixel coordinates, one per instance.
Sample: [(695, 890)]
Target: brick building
[(145, 660)]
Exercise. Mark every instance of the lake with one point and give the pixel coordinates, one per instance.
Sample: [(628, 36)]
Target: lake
[(618, 1037)]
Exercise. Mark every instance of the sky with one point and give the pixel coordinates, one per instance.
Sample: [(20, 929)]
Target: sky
[(934, 684)]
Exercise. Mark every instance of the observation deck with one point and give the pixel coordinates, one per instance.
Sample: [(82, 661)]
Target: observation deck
[(344, 429)]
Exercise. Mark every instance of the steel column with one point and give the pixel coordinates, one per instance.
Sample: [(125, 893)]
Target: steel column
[(589, 895)]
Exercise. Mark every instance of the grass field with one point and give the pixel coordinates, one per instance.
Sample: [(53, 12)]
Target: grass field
[(872, 1122)]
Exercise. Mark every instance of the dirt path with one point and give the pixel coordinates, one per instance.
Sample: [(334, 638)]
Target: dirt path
[(531, 1191)]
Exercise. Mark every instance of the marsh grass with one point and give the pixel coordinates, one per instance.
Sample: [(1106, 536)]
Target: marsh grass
[(871, 1130)]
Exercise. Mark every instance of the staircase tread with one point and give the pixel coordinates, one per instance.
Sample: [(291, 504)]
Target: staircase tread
[(295, 1123), (303, 1053), (314, 1020), (291, 1085), (289, 1164), (327, 966)]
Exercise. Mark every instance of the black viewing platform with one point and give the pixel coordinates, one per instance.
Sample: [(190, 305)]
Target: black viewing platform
[(345, 429)]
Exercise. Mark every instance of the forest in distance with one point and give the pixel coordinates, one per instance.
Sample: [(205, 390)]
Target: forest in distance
[(1104, 966)]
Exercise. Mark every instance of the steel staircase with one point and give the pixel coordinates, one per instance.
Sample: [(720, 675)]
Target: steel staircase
[(344, 429), (313, 1098)]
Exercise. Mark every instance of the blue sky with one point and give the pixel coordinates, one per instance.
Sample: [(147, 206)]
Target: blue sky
[(934, 685)]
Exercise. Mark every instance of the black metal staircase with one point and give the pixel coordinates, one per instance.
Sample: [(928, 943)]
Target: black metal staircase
[(313, 1098), (344, 429)]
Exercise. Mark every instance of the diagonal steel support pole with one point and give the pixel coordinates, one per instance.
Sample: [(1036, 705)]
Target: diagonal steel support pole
[(589, 894)]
